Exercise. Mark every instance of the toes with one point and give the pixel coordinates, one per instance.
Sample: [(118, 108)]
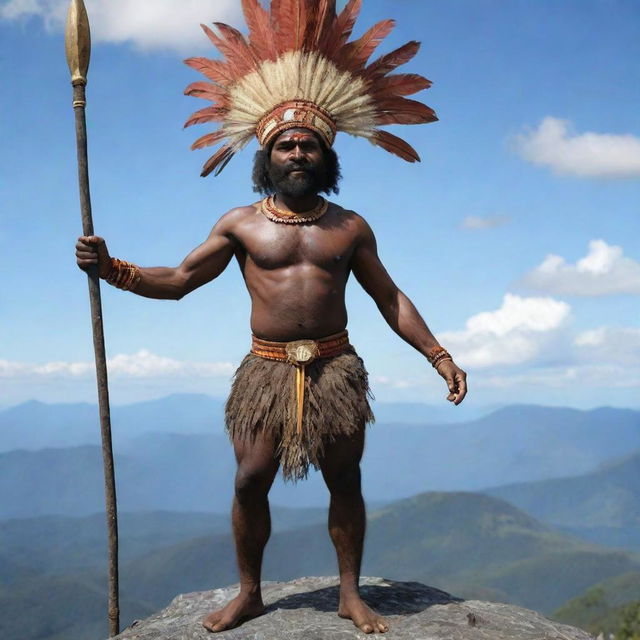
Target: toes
[(383, 627), (214, 624), (366, 628)]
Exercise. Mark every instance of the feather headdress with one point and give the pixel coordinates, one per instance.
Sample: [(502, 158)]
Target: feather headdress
[(297, 69)]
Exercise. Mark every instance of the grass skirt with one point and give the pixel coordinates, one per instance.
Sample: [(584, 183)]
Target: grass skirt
[(263, 400)]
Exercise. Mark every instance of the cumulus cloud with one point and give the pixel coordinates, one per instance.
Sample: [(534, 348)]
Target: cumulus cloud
[(604, 271), (157, 24), (142, 364), (586, 375), (394, 383), (609, 345), (518, 332), (554, 145), (480, 223)]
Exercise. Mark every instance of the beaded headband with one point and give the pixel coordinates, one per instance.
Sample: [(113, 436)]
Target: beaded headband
[(297, 69)]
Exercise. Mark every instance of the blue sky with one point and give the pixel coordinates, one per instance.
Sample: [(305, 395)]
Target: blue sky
[(518, 236)]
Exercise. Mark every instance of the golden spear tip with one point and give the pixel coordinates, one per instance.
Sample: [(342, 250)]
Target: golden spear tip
[(78, 42)]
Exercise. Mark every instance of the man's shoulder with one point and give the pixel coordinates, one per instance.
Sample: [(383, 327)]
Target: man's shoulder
[(355, 221), (348, 214), (237, 216)]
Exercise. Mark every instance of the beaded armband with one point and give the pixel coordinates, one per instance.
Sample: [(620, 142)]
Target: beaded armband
[(437, 355), (124, 275)]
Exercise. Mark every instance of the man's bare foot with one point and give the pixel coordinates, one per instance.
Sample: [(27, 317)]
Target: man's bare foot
[(241, 608), (353, 608)]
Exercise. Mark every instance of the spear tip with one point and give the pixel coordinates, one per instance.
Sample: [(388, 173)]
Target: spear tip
[(78, 42)]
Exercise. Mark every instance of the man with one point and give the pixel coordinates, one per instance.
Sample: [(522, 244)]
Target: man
[(300, 396), (296, 276)]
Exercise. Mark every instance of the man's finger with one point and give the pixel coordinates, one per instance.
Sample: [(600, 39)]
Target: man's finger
[(462, 389)]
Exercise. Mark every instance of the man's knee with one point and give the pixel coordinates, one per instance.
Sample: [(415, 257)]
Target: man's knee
[(345, 480), (252, 484)]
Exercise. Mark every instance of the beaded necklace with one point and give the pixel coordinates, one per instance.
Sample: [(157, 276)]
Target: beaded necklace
[(269, 209)]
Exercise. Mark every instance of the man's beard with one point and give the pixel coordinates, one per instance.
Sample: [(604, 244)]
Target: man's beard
[(299, 185)]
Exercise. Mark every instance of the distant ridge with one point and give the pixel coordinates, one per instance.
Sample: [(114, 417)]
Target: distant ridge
[(194, 471), (603, 505), (470, 544)]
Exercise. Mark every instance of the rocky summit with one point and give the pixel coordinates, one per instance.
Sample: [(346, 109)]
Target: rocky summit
[(305, 609)]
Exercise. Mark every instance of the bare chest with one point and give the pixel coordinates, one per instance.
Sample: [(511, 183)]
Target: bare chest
[(279, 246)]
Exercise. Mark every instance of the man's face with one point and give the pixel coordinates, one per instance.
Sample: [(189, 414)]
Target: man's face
[(297, 164)]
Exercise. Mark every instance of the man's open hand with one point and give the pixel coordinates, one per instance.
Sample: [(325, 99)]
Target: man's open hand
[(456, 380), (92, 250)]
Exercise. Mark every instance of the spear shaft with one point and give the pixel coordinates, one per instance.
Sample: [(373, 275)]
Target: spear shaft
[(78, 50)]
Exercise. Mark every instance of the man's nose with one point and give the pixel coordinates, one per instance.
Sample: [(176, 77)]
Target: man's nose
[(297, 153)]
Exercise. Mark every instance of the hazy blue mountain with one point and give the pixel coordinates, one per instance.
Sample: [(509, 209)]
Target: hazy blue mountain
[(465, 543), (36, 425), (195, 472), (470, 544), (70, 481), (59, 545), (603, 506), (420, 413)]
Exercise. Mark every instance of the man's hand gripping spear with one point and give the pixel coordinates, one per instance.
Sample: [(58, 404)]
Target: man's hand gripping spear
[(78, 50)]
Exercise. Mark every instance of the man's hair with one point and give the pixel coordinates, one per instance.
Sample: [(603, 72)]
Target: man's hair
[(262, 163)]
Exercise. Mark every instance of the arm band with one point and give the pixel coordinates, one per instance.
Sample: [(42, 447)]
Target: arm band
[(124, 275)]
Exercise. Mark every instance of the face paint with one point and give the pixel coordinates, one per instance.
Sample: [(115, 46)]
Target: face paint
[(300, 137)]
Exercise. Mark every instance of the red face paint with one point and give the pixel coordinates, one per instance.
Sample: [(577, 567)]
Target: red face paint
[(299, 137)]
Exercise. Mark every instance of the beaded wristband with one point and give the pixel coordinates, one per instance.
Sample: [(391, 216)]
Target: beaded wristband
[(438, 354), (123, 275)]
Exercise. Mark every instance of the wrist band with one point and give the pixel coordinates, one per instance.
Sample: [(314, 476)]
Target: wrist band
[(123, 275), (437, 355)]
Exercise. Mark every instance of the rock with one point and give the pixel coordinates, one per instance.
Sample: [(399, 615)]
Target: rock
[(305, 609)]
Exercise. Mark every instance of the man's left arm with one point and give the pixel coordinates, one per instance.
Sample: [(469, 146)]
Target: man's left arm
[(399, 312)]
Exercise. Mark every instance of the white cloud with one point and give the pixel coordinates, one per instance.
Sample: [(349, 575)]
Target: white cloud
[(569, 377), (480, 223), (609, 345), (142, 364), (520, 331), (605, 270), (148, 24), (393, 383), (589, 154)]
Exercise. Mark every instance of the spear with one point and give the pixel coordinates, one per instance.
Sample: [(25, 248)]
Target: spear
[(78, 50)]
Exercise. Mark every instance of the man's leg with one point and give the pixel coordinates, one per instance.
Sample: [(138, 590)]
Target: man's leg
[(257, 467), (340, 467)]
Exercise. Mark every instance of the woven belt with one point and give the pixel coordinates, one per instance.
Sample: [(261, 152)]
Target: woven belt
[(300, 353)]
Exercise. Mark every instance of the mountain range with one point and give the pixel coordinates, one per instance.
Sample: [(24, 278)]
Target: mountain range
[(194, 472), (602, 506), (472, 545), (36, 425)]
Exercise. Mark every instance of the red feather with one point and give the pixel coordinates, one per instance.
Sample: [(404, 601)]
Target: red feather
[(207, 90), (219, 160), (208, 139), (233, 47), (289, 21), (208, 114), (390, 61), (395, 145), (260, 32), (338, 33), (215, 70), (354, 55), (237, 50), (400, 84), (322, 14), (403, 111)]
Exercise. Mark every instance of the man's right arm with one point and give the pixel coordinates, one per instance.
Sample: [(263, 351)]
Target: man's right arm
[(202, 265)]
